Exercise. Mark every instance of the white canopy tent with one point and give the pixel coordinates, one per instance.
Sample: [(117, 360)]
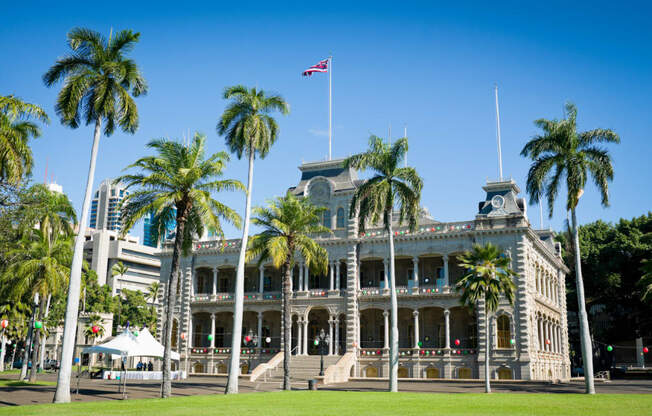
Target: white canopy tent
[(129, 345)]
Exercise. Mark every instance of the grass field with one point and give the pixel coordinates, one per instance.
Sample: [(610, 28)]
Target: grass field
[(6, 382), (356, 403)]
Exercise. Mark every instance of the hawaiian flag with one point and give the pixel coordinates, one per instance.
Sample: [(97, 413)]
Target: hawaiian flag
[(322, 66)]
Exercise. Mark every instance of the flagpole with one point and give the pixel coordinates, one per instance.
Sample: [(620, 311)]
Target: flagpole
[(330, 106), (500, 156)]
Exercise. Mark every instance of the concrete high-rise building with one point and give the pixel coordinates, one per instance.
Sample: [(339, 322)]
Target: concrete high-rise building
[(105, 207)]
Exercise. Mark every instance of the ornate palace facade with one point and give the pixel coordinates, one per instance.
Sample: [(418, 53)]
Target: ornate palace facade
[(438, 338)]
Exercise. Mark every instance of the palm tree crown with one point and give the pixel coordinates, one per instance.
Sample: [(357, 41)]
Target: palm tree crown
[(16, 129), (488, 276), (176, 183), (391, 186), (246, 123), (98, 80), (561, 151), (288, 224)]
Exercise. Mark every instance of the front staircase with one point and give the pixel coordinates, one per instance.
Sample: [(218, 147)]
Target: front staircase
[(302, 369)]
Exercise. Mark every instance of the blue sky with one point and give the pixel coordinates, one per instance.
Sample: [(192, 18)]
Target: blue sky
[(428, 66)]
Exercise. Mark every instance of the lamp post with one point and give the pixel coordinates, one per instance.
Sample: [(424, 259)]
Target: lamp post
[(250, 341), (322, 341)]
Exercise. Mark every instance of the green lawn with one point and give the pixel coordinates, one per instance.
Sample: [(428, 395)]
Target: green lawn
[(12, 382), (358, 404)]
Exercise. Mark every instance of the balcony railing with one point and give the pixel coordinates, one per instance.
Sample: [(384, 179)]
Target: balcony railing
[(227, 350), (439, 228)]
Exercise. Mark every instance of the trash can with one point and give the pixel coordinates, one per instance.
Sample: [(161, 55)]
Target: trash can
[(312, 384)]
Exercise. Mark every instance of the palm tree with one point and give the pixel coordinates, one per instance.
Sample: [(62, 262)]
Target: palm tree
[(562, 152), (177, 182), (98, 80), (248, 129), (16, 129), (153, 290), (646, 280), (38, 265), (119, 269), (488, 277), (50, 211), (288, 223), (391, 187)]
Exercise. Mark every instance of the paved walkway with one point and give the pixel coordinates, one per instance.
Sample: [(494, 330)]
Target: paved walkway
[(92, 390)]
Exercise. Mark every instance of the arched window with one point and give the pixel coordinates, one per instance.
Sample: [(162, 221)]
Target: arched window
[(340, 218), (504, 333), (327, 218)]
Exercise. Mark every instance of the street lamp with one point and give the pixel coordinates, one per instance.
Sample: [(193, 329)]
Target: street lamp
[(250, 341), (322, 341)]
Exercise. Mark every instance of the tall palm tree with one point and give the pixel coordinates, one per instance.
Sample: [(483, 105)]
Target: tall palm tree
[(249, 130), (98, 84), (288, 224), (561, 152), (177, 183), (646, 280), (488, 277), (152, 291), (16, 129), (391, 186), (38, 265)]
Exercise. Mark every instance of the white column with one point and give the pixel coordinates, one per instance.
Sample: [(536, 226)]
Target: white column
[(386, 273), (300, 278), (193, 281), (299, 337), (215, 271), (542, 341), (416, 328), (446, 275), (261, 279), (386, 338), (306, 284), (447, 321), (330, 334), (331, 272), (415, 274), (189, 334), (305, 337), (260, 329), (337, 337), (212, 330), (337, 272), (359, 336)]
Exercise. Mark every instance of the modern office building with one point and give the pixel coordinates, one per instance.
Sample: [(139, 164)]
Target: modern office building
[(438, 337), (148, 231), (105, 206), (104, 248)]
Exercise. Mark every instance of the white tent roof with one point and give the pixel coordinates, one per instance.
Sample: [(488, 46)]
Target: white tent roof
[(130, 345), (120, 344), (150, 347)]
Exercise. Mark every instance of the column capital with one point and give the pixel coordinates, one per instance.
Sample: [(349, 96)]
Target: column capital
[(447, 311), (213, 315), (415, 259), (415, 313), (385, 313), (261, 267), (445, 257), (260, 314)]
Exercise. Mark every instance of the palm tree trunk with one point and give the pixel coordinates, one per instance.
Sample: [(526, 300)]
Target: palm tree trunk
[(393, 335), (166, 382), (585, 334), (62, 393), (37, 347), (3, 352), (234, 366), (28, 344), (43, 337), (487, 386), (287, 325)]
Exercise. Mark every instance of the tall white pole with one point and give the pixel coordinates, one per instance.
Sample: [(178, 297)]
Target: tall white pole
[(330, 106), (540, 214), (389, 134), (500, 156)]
